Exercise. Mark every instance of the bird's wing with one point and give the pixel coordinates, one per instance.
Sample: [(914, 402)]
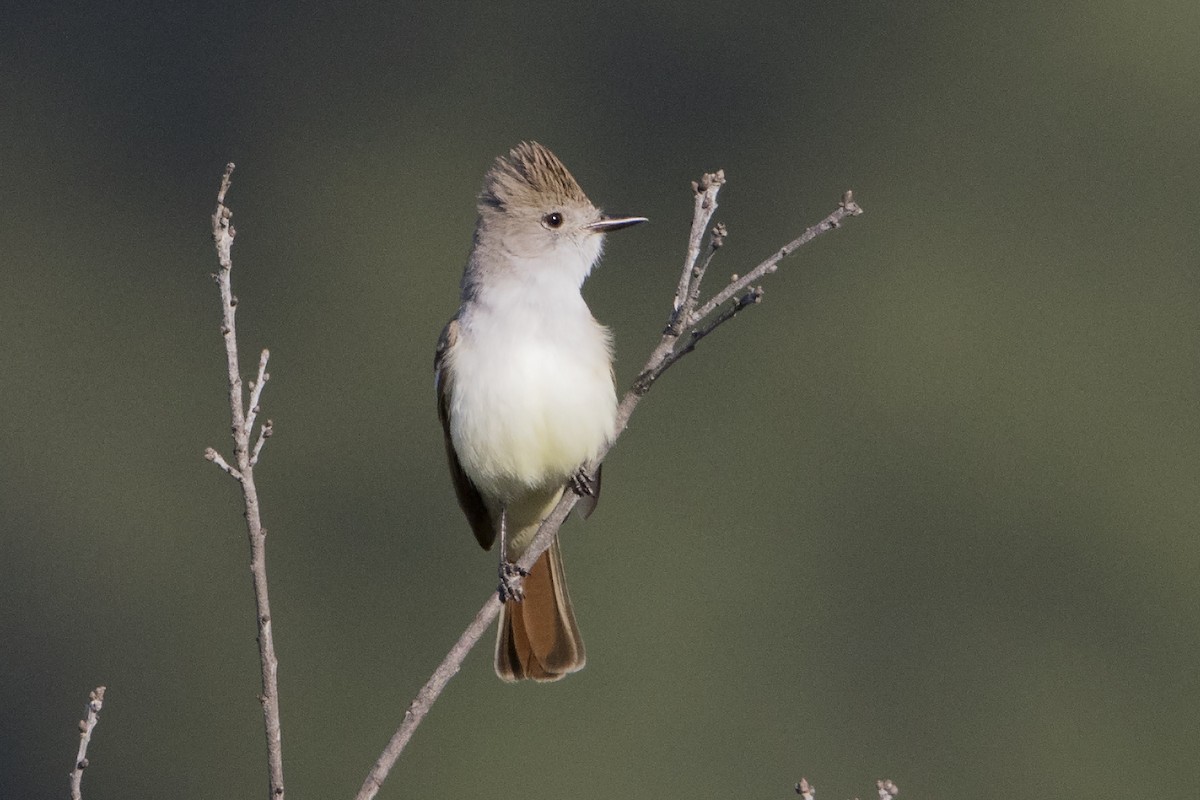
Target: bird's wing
[(469, 498)]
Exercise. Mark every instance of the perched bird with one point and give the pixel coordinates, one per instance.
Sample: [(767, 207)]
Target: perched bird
[(525, 389)]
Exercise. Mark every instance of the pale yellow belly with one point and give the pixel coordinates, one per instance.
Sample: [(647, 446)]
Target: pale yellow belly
[(526, 421)]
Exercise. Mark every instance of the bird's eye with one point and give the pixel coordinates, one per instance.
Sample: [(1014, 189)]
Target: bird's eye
[(553, 220)]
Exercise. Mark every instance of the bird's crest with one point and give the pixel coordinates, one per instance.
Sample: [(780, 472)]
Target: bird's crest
[(529, 177)]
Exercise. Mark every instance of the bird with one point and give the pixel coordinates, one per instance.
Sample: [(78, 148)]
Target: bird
[(525, 391)]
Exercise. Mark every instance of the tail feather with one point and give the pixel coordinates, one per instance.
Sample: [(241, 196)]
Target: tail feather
[(538, 637)]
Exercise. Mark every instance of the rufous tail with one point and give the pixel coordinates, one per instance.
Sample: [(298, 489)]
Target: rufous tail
[(538, 638)]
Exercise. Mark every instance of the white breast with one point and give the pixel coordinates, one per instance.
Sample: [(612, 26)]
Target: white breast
[(533, 397)]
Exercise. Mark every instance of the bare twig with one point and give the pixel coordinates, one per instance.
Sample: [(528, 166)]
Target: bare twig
[(215, 457), (86, 726), (264, 433), (697, 333), (256, 389), (705, 191), (425, 698), (662, 357), (671, 347), (242, 418), (847, 208), (716, 238)]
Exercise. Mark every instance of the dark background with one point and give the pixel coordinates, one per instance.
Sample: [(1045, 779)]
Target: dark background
[(929, 512)]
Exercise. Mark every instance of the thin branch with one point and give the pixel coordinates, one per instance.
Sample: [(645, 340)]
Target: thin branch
[(264, 433), (662, 357), (425, 698), (670, 351), (86, 726), (847, 208), (218, 459), (242, 421), (256, 389), (716, 239), (705, 191), (694, 336)]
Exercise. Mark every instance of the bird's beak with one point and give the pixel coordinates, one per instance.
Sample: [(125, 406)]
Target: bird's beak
[(606, 224)]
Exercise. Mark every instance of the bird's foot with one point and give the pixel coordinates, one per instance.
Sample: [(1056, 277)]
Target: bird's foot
[(512, 580), (583, 484)]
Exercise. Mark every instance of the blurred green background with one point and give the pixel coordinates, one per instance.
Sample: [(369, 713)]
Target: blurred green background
[(928, 513)]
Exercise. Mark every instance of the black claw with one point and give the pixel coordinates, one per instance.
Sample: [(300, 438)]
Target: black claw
[(583, 484)]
